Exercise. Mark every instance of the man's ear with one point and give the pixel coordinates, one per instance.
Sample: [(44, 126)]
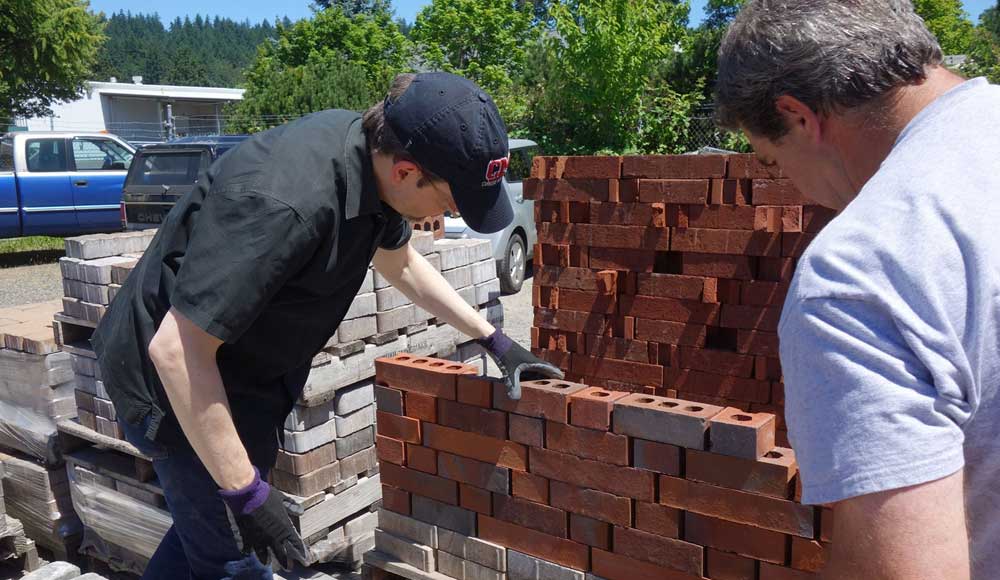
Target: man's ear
[(801, 120), (402, 169)]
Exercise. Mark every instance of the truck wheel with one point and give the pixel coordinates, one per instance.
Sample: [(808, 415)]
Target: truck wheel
[(513, 265)]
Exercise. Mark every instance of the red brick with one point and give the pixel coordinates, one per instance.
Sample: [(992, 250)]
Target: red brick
[(612, 566), (623, 481), (579, 257), (590, 531), (422, 407), (627, 214), (570, 189), (675, 167), (534, 543), (430, 376), (653, 308), (559, 359), (761, 293), (632, 372), (826, 525), (777, 219), (815, 218), (398, 427), (569, 278), (584, 301), (776, 269), (589, 167), (677, 286), (547, 399), (674, 191), (718, 265), (628, 191), (617, 348), (607, 282), (391, 450), (776, 192), (677, 215), (670, 332), (550, 212), (475, 446), (591, 408), (592, 503), (713, 385), (734, 242), (527, 430), (721, 217), (750, 317), (772, 475), (622, 259), (542, 165), (606, 236), (476, 391), (568, 321), (808, 555), (778, 393), (737, 506), (660, 550), (530, 487), (587, 443), (475, 499), (535, 516), (552, 255), (767, 368), (487, 422), (658, 457), (657, 519), (772, 572), (748, 166), (420, 483), (544, 297), (725, 566), (421, 459), (476, 473), (744, 540), (794, 245), (395, 499), (737, 433), (757, 343), (717, 361), (556, 234)]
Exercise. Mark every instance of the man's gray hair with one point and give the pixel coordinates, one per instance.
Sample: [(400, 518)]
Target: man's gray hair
[(833, 55)]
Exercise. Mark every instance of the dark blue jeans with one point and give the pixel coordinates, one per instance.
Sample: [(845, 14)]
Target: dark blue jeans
[(201, 544)]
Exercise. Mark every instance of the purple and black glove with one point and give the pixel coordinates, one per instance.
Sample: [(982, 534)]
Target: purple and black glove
[(516, 363), (261, 514)]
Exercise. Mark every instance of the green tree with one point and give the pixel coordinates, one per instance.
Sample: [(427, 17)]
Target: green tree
[(600, 60), (990, 20), (352, 7), (482, 40), (949, 23), (186, 69), (47, 48), (984, 51)]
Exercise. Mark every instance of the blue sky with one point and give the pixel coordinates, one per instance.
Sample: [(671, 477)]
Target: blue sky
[(256, 10)]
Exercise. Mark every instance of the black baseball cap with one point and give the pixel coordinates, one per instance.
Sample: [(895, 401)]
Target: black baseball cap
[(452, 128)]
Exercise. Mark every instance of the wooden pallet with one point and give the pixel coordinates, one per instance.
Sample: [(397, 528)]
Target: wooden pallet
[(381, 566), (73, 436)]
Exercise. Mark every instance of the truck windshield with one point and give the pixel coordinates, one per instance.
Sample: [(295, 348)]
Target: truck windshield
[(167, 168)]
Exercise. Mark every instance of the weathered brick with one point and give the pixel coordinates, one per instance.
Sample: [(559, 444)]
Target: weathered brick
[(536, 516), (527, 430), (771, 475), (395, 499), (420, 483), (586, 473), (732, 537), (534, 543), (717, 361), (592, 407), (733, 242), (477, 473), (421, 459), (657, 519), (776, 192), (737, 506), (622, 259), (675, 167), (590, 531), (473, 498), (657, 457), (398, 427), (741, 434), (430, 376), (715, 385), (389, 400), (548, 399), (750, 317), (592, 503), (443, 515), (472, 418), (611, 566), (721, 565), (587, 443), (391, 450), (632, 372), (660, 550), (422, 407), (474, 446), (718, 265), (808, 554), (664, 420), (529, 486), (772, 572), (655, 308)]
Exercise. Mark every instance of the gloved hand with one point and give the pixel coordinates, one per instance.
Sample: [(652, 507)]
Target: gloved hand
[(516, 363), (261, 514)]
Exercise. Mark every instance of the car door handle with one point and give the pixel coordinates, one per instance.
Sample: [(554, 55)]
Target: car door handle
[(80, 183)]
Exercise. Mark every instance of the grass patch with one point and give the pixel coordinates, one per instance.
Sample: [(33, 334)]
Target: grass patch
[(30, 250)]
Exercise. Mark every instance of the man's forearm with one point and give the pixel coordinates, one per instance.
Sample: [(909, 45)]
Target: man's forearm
[(414, 276), (197, 396)]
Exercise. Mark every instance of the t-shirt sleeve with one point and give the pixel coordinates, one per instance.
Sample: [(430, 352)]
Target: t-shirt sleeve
[(862, 410), (242, 250), (397, 230)]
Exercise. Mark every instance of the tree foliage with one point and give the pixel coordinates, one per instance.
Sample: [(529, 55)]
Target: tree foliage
[(984, 50), (46, 50), (949, 23), (354, 7)]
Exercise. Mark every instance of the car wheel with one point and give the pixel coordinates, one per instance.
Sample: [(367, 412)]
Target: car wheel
[(513, 265)]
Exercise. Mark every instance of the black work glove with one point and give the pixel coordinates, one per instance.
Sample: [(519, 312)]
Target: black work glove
[(261, 514), (516, 363)]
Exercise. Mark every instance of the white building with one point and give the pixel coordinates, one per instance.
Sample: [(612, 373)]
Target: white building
[(141, 113)]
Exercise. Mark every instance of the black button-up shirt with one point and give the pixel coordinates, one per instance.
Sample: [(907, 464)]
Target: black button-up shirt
[(266, 254)]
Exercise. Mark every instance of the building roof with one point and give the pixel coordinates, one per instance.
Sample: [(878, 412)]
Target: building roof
[(167, 91)]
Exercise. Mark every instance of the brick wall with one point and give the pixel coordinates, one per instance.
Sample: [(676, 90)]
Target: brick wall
[(575, 482)]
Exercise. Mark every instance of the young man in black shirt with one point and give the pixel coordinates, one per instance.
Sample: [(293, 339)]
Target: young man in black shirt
[(209, 342)]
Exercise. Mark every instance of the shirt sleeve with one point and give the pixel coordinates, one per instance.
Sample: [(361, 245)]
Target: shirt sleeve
[(242, 250), (397, 230), (863, 412)]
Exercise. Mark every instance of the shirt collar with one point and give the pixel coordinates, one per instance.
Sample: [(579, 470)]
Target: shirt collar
[(362, 193)]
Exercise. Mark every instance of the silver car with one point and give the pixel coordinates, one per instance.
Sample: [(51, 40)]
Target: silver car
[(514, 245)]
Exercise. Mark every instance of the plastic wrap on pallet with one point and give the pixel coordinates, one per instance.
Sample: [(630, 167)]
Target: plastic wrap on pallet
[(35, 392), (29, 431), (117, 559), (38, 497), (118, 519)]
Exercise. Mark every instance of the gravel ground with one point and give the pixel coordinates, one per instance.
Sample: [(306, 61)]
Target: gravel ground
[(30, 284)]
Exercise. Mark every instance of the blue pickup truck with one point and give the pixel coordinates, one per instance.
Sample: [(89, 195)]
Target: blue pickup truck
[(61, 184)]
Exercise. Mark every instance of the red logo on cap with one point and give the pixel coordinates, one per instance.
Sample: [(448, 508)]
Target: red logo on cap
[(496, 170)]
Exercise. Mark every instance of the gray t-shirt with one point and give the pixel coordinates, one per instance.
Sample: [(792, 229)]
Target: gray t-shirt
[(890, 336)]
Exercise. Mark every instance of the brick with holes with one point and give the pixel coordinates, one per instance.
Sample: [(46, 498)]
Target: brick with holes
[(741, 434), (547, 399), (592, 407), (430, 376), (664, 420)]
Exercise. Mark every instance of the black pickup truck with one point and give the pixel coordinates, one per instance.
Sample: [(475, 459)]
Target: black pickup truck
[(163, 173)]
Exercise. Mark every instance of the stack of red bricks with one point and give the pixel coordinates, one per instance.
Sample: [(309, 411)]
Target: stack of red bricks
[(666, 274), (575, 482)]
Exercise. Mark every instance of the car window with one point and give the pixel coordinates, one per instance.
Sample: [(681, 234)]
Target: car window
[(7, 155), (46, 155), (520, 164), (167, 168), (95, 154)]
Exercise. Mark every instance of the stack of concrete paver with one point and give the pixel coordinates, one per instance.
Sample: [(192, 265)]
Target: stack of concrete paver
[(36, 381), (16, 549), (666, 274), (575, 482)]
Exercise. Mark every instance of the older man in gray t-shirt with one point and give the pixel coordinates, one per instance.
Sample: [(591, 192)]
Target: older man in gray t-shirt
[(890, 336)]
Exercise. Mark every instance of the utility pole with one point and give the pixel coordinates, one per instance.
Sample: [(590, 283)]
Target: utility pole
[(169, 123)]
